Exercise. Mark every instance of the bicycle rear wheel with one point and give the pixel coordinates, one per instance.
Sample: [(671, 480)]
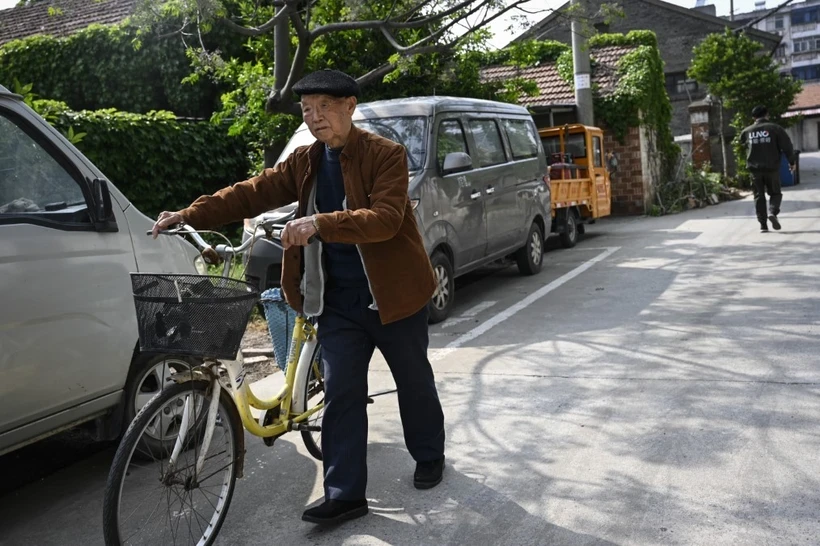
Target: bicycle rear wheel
[(148, 502), (314, 395)]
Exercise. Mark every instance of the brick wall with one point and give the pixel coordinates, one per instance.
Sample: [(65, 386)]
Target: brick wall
[(628, 181)]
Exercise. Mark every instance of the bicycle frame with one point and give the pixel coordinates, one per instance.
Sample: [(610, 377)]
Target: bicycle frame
[(303, 334)]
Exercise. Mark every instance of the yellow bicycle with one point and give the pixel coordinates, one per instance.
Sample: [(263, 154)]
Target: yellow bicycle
[(174, 472)]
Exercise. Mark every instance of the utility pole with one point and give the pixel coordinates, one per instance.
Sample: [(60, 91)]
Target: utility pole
[(583, 73), (731, 10)]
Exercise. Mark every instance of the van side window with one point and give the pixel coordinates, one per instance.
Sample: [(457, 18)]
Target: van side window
[(31, 180), (522, 137), (597, 152), (450, 139), (489, 147)]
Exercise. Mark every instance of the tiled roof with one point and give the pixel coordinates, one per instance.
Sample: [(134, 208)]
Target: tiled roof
[(707, 19), (554, 90), (809, 97), (66, 17)]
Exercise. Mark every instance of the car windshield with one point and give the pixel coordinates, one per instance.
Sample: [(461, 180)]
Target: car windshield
[(410, 132), (573, 145)]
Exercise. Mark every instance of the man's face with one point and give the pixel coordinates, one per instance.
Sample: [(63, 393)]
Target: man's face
[(329, 118)]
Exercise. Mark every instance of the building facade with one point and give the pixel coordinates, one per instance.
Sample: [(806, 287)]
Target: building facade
[(798, 25), (678, 31)]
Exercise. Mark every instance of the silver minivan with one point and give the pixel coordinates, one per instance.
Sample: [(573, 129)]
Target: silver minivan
[(68, 242), (478, 180)]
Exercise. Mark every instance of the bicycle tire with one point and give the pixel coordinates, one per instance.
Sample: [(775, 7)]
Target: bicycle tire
[(153, 414), (312, 440)]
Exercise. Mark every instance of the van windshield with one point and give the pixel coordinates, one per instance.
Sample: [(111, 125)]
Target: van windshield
[(410, 132), (573, 145)]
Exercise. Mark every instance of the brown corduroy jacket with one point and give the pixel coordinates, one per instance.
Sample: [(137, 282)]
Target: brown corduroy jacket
[(379, 219)]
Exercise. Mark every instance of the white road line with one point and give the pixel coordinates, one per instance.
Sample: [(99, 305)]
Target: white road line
[(469, 314), (520, 306)]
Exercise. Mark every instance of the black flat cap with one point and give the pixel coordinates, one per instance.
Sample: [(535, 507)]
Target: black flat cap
[(327, 82)]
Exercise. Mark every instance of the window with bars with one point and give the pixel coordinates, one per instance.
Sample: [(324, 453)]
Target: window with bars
[(679, 84)]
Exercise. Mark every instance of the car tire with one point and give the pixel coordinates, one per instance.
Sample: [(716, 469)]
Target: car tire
[(569, 237), (530, 257), (442, 301), (148, 376)]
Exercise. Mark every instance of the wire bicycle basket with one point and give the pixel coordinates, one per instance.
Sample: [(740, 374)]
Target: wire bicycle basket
[(194, 315)]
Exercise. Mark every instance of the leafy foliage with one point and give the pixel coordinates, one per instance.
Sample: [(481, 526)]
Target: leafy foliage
[(640, 96), (107, 67), (696, 187), (736, 70), (158, 161)]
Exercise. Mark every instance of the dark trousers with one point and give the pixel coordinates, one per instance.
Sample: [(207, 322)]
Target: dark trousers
[(763, 183), (348, 333)]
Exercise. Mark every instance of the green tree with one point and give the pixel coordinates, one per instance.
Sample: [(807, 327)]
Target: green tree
[(738, 73)]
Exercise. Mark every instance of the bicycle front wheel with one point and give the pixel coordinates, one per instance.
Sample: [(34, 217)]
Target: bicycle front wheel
[(147, 500)]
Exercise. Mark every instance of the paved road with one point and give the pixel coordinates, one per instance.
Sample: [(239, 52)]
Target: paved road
[(658, 384)]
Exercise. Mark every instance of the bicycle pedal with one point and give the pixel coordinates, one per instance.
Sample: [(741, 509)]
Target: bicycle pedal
[(269, 441), (308, 428)]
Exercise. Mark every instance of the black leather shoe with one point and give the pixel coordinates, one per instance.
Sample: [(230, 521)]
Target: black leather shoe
[(335, 511), (428, 474), (775, 222)]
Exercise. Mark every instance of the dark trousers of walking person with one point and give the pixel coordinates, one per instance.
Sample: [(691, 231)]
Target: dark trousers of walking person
[(763, 183), (348, 333)]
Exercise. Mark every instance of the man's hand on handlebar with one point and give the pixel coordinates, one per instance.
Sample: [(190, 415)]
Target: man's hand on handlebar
[(166, 219), (299, 232)]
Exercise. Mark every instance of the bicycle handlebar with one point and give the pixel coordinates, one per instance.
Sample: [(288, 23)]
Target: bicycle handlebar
[(214, 255)]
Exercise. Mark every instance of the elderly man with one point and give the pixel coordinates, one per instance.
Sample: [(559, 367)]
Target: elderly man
[(366, 276)]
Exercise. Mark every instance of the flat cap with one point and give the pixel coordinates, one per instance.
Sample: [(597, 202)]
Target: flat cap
[(327, 82)]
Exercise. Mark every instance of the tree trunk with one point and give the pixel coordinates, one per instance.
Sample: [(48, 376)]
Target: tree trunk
[(281, 69)]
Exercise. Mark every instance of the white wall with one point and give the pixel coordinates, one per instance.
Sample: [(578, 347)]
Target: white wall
[(806, 134)]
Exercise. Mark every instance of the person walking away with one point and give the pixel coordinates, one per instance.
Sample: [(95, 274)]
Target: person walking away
[(765, 142), (366, 275)]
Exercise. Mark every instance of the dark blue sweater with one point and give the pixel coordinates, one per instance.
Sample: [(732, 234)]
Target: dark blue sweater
[(343, 263)]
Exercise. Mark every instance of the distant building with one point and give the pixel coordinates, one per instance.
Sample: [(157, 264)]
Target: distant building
[(797, 25), (678, 30)]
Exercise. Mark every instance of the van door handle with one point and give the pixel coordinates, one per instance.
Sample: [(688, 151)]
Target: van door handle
[(475, 195), (490, 190)]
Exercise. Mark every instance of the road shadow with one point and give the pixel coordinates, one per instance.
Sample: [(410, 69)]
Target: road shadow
[(466, 508), (66, 507)]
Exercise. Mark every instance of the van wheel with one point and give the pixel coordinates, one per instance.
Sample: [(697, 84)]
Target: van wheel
[(149, 375), (569, 238), (530, 257), (439, 307)]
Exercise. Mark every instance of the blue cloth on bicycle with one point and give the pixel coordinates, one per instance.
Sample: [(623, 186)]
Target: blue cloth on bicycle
[(280, 318), (343, 263)]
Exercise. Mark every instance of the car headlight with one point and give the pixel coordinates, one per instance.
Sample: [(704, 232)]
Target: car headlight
[(200, 265)]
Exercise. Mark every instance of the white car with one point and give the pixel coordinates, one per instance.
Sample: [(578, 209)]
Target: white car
[(69, 351)]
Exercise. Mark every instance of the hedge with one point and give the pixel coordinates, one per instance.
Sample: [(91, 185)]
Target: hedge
[(158, 161), (102, 67)]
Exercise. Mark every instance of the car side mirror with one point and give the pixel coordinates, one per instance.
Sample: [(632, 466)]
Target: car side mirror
[(102, 212), (456, 162)]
